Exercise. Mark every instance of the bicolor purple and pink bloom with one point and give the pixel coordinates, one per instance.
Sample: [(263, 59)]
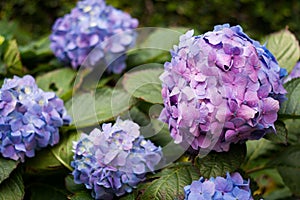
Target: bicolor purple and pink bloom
[(29, 118), (230, 188), (219, 88), (112, 161), (94, 34)]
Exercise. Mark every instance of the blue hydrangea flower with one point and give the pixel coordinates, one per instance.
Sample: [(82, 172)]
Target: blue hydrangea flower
[(219, 88), (113, 160), (29, 118), (230, 188), (97, 29)]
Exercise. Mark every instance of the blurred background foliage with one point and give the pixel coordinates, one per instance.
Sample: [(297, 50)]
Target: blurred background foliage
[(32, 18)]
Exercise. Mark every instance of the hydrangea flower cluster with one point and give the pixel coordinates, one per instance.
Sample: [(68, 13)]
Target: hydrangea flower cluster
[(114, 160), (230, 188), (29, 118), (220, 88), (93, 25)]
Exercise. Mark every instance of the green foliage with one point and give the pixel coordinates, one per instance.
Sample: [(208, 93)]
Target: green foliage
[(291, 107), (280, 136), (144, 84), (13, 187), (168, 184), (285, 47), (6, 167), (219, 163), (104, 104)]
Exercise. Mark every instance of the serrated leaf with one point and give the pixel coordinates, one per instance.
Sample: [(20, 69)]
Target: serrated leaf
[(144, 84), (12, 188), (281, 135), (288, 165), (168, 184), (12, 58), (88, 109), (59, 81), (219, 163), (285, 48), (291, 107), (6, 167), (63, 151)]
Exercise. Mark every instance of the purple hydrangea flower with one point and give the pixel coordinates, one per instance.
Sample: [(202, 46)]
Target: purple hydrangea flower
[(97, 29), (113, 160), (230, 188), (220, 88), (29, 118)]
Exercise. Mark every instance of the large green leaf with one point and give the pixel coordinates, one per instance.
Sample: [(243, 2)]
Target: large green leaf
[(293, 127), (154, 45), (281, 135), (144, 84), (288, 165), (291, 107), (168, 184), (6, 167), (12, 58), (63, 151), (78, 190), (36, 49), (259, 153), (82, 195), (88, 109), (46, 191), (43, 163), (12, 188), (59, 81), (218, 163), (285, 47)]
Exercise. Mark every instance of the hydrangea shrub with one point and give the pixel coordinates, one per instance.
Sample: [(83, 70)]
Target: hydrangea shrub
[(219, 88), (29, 118), (112, 161), (230, 188), (97, 29)]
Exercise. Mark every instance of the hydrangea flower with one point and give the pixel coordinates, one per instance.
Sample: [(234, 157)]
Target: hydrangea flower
[(93, 25), (221, 87), (29, 118), (230, 188), (113, 160)]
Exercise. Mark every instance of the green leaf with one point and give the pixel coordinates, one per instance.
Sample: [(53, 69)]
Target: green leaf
[(44, 162), (259, 153), (44, 191), (72, 186), (12, 58), (218, 163), (88, 109), (59, 81), (293, 127), (153, 45), (82, 195), (6, 167), (281, 135), (168, 184), (63, 151), (291, 107), (285, 48), (12, 188), (36, 49), (288, 165), (144, 84)]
